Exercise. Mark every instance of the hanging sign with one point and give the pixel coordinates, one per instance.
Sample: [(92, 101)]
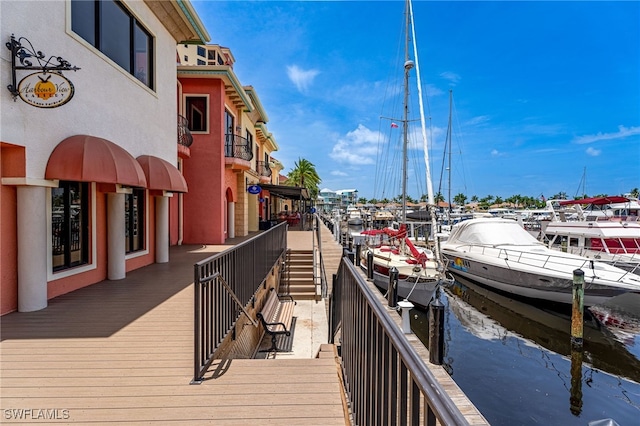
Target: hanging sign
[(261, 199), (253, 189), (45, 90)]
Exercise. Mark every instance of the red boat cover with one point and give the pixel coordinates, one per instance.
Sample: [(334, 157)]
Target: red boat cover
[(597, 201)]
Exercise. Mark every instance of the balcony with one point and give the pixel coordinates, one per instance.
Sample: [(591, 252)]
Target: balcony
[(264, 171), (237, 152), (185, 138)]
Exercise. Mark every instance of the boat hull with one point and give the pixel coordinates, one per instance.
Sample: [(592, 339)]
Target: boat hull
[(420, 292), (527, 284)]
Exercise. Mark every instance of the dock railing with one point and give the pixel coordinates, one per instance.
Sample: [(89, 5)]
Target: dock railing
[(224, 284), (386, 380)]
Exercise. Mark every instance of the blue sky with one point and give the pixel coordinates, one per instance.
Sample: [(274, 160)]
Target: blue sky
[(545, 93)]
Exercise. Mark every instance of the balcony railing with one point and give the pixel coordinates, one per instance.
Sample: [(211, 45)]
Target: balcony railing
[(237, 146), (184, 134), (263, 169)]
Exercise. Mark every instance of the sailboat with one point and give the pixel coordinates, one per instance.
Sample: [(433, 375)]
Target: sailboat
[(420, 269)]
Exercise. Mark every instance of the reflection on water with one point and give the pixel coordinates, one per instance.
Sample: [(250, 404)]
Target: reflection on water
[(515, 361)]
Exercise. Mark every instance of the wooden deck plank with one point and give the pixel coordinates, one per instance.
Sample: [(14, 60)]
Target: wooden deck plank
[(121, 352)]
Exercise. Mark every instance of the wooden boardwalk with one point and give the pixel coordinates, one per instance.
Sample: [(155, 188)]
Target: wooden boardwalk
[(121, 352)]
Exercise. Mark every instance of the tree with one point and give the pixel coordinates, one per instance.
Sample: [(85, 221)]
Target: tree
[(362, 200), (304, 175), (460, 199), (635, 193)]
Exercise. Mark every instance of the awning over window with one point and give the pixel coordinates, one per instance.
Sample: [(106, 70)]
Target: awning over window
[(86, 158), (162, 175)]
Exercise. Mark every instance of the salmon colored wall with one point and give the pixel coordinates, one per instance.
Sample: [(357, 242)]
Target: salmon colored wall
[(204, 171), (230, 184), (174, 224), (8, 252)]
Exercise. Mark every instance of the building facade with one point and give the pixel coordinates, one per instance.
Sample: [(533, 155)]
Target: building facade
[(88, 156), (231, 152)]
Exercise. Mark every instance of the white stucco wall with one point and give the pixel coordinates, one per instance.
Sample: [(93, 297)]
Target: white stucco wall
[(108, 102)]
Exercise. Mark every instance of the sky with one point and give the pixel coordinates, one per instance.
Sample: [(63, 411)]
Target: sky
[(546, 94)]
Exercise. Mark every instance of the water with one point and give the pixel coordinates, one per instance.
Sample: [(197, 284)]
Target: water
[(515, 361)]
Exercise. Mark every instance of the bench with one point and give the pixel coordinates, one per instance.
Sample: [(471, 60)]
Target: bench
[(276, 316)]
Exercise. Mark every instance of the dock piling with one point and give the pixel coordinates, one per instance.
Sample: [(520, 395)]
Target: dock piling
[(436, 332), (577, 309), (392, 289)]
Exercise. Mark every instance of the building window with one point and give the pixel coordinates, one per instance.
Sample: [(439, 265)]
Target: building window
[(201, 62), (197, 113), (109, 27), (202, 51), (250, 142), (70, 225), (186, 58), (134, 220)]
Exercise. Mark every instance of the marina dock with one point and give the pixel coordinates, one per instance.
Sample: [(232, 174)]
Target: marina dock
[(122, 352)]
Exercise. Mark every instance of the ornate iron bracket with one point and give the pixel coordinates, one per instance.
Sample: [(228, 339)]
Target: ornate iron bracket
[(24, 53)]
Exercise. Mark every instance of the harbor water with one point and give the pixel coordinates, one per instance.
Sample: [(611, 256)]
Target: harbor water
[(515, 362)]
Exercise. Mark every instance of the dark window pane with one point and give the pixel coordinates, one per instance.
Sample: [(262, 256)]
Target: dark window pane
[(83, 20), (197, 113), (201, 51), (142, 55), (201, 62), (70, 225), (115, 34), (134, 220)]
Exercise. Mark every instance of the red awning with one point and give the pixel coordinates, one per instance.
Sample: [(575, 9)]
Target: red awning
[(86, 158), (597, 201), (161, 174)]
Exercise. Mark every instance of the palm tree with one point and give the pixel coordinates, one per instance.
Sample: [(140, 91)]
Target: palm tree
[(635, 192), (304, 175)]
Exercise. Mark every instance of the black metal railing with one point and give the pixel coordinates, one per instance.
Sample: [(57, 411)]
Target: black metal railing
[(224, 284), (263, 169), (236, 146), (386, 380), (185, 137)]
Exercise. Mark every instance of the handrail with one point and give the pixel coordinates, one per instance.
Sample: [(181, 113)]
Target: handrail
[(242, 270), (538, 260), (387, 381), (237, 146)]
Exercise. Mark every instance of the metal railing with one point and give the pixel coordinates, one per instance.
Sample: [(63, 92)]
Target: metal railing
[(185, 137), (236, 146), (224, 284), (319, 273), (386, 380), (263, 169)]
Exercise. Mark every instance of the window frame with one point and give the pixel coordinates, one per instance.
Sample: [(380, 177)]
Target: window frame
[(188, 113), (136, 218), (65, 232), (134, 24)]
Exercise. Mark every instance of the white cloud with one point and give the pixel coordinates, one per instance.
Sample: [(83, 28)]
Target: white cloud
[(451, 76), (477, 120), (496, 153), (301, 78), (338, 173), (356, 147), (593, 152), (622, 132)]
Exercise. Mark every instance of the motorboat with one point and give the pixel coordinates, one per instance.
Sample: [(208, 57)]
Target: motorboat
[(500, 254), (607, 230)]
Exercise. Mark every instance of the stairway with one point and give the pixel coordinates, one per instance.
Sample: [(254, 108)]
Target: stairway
[(296, 279)]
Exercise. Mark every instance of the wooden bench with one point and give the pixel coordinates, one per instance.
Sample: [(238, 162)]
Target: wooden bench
[(276, 316)]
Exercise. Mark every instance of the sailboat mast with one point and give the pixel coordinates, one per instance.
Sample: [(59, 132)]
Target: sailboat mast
[(408, 64), (449, 127)]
